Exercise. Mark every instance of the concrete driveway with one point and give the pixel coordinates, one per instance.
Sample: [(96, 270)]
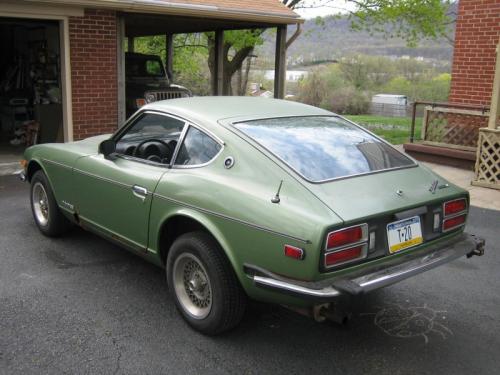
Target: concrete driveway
[(81, 305)]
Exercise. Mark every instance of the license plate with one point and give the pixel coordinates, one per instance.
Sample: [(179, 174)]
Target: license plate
[(404, 234)]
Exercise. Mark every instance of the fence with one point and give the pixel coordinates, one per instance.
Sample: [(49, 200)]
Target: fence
[(453, 127), (450, 125), (393, 110)]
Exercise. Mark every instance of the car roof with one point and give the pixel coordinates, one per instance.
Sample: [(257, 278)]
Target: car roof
[(216, 108)]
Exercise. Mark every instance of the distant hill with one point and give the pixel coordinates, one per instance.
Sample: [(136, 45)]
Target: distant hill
[(332, 38)]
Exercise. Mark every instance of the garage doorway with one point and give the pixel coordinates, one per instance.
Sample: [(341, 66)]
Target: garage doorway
[(31, 100)]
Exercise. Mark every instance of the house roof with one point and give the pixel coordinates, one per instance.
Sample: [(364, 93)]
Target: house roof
[(263, 11)]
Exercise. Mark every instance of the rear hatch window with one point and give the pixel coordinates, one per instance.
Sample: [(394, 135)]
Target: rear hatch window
[(323, 148)]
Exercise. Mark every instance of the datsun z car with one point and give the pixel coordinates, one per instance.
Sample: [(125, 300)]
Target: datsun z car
[(252, 198)]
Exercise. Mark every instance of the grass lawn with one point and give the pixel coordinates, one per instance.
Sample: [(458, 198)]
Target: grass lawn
[(395, 130)]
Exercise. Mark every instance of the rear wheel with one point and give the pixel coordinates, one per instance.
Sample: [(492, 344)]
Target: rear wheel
[(48, 217), (203, 284)]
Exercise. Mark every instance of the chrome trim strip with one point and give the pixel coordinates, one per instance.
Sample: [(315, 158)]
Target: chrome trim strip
[(239, 221), (118, 183), (57, 163), (66, 209), (447, 252), (178, 146)]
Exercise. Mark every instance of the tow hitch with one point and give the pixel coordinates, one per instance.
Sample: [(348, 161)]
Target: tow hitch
[(479, 249)]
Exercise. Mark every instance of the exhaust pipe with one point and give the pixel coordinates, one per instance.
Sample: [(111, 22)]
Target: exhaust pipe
[(324, 312), (479, 250)]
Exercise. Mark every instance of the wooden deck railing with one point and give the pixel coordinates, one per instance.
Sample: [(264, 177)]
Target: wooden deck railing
[(450, 125)]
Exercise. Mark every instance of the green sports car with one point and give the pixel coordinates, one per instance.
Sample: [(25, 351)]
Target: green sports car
[(241, 197)]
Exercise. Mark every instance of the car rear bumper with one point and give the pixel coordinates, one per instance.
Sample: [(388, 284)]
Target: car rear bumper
[(374, 277)]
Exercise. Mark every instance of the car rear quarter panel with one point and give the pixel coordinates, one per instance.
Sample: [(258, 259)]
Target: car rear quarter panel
[(235, 206)]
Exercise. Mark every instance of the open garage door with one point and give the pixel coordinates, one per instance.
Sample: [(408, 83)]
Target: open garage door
[(30, 86)]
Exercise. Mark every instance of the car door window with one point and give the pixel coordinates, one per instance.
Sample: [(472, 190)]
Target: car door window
[(197, 148), (152, 137)]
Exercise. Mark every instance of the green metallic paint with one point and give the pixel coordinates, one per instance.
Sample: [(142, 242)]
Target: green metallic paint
[(234, 204)]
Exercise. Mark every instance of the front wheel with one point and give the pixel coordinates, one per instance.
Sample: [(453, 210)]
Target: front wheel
[(48, 217), (203, 284)]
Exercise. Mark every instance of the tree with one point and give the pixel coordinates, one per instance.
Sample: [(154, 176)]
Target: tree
[(238, 45), (411, 20)]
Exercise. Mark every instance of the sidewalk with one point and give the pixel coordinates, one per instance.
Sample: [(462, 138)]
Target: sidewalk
[(9, 159), (479, 196)]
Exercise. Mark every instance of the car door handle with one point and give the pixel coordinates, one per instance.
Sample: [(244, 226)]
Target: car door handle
[(140, 192)]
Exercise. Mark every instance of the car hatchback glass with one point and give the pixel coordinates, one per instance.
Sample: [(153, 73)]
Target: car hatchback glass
[(322, 148)]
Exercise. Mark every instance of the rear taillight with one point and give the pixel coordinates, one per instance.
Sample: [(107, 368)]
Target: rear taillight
[(453, 222), (454, 207), (345, 255), (346, 245), (454, 214), (344, 236)]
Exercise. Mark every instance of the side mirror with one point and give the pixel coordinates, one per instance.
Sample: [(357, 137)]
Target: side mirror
[(107, 147)]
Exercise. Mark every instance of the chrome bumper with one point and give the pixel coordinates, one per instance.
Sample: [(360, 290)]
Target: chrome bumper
[(374, 277)]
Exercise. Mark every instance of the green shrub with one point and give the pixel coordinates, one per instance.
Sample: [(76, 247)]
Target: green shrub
[(346, 100)]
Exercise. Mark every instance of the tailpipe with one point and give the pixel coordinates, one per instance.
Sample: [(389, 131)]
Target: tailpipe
[(324, 312), (479, 248)]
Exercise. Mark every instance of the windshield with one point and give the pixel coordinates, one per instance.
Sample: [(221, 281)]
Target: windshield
[(143, 67), (323, 147)]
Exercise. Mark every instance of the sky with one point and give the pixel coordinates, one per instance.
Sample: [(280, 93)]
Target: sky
[(312, 9)]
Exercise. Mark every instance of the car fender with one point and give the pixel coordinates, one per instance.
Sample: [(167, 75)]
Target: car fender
[(204, 220), (36, 160)]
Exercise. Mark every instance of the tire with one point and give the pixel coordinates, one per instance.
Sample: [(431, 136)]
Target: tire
[(48, 217), (203, 284)]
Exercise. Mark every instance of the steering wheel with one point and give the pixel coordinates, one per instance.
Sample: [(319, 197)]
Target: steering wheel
[(166, 150)]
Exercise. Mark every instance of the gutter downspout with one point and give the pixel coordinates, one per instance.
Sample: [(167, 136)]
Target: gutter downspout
[(295, 35)]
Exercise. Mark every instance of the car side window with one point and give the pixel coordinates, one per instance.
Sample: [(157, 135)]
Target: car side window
[(154, 125), (152, 137), (197, 148)]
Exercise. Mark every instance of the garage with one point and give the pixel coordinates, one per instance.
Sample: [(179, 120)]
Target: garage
[(30, 84), (62, 64)]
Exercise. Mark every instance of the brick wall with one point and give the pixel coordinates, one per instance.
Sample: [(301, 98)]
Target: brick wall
[(477, 34), (93, 73)]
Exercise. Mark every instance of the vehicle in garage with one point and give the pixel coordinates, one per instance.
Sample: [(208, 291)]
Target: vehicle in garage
[(249, 197), (146, 81)]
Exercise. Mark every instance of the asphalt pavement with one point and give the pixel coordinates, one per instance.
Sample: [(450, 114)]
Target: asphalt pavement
[(80, 305)]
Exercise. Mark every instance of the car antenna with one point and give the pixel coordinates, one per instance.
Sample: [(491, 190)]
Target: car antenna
[(276, 198)]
